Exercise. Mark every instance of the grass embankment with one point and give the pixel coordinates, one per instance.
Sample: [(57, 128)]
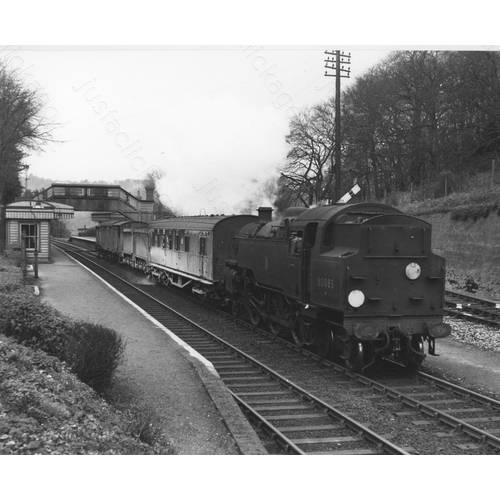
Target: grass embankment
[(466, 231), (477, 203), (54, 372)]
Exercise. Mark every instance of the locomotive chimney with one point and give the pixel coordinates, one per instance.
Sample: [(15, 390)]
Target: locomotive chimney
[(265, 214)]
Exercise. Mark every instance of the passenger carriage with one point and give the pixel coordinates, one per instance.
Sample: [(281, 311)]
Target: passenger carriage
[(191, 251)]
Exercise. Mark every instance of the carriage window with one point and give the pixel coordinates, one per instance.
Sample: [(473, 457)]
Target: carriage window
[(186, 244), (164, 242), (177, 240), (203, 245), (153, 238), (159, 238), (170, 240)]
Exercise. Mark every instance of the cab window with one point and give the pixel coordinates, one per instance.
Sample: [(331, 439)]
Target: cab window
[(310, 236), (295, 247)]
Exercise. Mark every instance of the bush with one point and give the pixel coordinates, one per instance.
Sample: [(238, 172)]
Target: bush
[(33, 323), (14, 255), (145, 425), (11, 277), (93, 353)]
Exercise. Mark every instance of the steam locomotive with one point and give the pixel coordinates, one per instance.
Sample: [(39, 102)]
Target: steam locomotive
[(357, 281)]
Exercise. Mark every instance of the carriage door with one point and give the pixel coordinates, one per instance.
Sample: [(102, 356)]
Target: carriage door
[(309, 241), (203, 253)]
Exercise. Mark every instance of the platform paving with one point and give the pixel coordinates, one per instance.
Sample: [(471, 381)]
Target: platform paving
[(469, 364), (198, 414)]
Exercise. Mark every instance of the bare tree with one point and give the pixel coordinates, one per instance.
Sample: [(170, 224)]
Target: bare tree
[(23, 127), (308, 174)]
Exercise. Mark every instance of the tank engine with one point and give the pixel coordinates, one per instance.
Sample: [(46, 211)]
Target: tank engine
[(359, 280)]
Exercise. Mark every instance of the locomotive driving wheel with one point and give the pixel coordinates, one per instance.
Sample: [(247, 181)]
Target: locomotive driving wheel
[(323, 339), (299, 333), (275, 309), (416, 354), (235, 308), (275, 328), (357, 358), (254, 315)]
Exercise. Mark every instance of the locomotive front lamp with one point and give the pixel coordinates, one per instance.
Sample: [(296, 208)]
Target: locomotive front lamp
[(356, 298), (413, 271)]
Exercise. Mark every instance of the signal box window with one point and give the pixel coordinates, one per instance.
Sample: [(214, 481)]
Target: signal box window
[(30, 230)]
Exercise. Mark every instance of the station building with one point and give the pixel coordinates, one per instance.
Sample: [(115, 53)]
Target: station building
[(33, 218)]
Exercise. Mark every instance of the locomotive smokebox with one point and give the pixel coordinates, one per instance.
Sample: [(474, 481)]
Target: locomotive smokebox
[(265, 214)]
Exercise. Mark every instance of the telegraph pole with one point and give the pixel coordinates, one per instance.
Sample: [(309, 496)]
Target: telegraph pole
[(340, 72)]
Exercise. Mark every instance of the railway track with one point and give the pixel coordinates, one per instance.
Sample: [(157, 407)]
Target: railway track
[(298, 421), (301, 421), (421, 399), (472, 308)]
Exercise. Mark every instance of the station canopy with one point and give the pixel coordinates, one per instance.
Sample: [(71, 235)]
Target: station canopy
[(39, 210)]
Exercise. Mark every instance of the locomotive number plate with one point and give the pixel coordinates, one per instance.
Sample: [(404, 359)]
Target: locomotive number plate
[(325, 282)]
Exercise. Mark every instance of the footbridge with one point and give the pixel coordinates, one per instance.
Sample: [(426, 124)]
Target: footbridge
[(105, 201)]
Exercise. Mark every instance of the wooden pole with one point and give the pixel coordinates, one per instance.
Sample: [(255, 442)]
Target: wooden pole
[(23, 251), (337, 128), (36, 255)]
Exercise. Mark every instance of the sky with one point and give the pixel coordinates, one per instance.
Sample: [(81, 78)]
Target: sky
[(136, 90), (213, 119)]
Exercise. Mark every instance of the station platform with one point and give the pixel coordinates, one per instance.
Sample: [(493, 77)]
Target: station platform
[(83, 241), (198, 414)]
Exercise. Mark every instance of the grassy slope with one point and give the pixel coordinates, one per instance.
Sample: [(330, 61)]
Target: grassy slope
[(466, 231)]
